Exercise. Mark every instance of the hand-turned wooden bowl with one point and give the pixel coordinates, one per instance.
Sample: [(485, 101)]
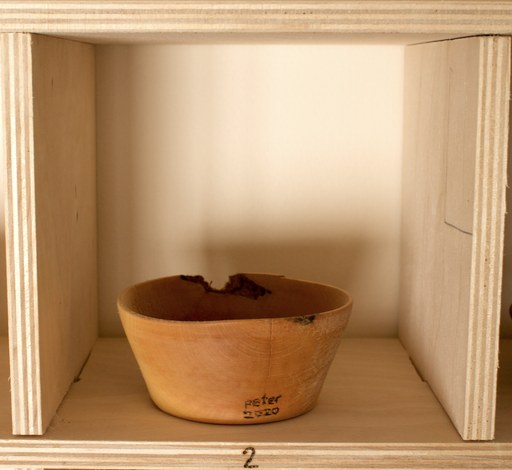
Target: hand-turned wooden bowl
[(254, 352)]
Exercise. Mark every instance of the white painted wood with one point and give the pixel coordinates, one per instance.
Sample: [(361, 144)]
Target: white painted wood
[(456, 118), (51, 220)]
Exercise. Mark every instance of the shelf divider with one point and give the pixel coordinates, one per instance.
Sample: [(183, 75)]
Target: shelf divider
[(454, 184), (49, 125)]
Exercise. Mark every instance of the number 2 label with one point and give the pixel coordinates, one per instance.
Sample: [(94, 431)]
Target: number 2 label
[(252, 450)]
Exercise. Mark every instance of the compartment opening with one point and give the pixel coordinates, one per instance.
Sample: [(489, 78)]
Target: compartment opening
[(278, 158)]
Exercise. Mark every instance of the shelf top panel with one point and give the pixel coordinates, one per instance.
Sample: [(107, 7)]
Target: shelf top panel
[(142, 21)]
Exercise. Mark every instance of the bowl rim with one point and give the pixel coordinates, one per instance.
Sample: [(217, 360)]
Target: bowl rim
[(122, 307)]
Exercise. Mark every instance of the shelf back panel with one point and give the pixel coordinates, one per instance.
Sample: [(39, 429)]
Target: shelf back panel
[(454, 185), (49, 124)]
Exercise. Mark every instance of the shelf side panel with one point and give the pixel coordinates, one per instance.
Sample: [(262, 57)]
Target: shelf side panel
[(489, 234), (454, 183), (19, 240), (48, 97)]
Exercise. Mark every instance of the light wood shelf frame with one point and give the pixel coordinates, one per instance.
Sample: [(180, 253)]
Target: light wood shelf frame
[(91, 431), (455, 160), (53, 320), (35, 52)]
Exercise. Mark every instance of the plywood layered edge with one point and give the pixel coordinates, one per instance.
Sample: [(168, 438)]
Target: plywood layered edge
[(48, 116), (117, 20), (195, 455), (457, 111), (66, 446), (21, 244), (488, 237)]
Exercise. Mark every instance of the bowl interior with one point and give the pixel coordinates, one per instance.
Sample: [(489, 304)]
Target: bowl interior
[(184, 298)]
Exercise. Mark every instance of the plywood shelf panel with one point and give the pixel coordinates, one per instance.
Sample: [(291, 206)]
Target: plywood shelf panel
[(374, 412), (48, 114), (372, 394), (154, 20), (453, 212)]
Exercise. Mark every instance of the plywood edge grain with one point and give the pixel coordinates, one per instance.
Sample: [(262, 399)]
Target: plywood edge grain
[(451, 278), (196, 455), (115, 18), (48, 115), (21, 242), (488, 230), (73, 451)]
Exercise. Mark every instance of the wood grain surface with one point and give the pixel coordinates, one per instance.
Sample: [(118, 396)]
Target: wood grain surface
[(155, 20), (374, 412), (454, 185), (51, 220)]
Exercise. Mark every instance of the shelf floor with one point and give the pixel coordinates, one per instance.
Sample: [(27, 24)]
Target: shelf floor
[(372, 394), (374, 412)]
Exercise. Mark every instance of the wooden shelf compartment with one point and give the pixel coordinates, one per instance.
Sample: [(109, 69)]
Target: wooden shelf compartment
[(50, 87), (374, 411), (455, 157)]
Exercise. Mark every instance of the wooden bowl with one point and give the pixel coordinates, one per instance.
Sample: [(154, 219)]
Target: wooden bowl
[(256, 351)]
